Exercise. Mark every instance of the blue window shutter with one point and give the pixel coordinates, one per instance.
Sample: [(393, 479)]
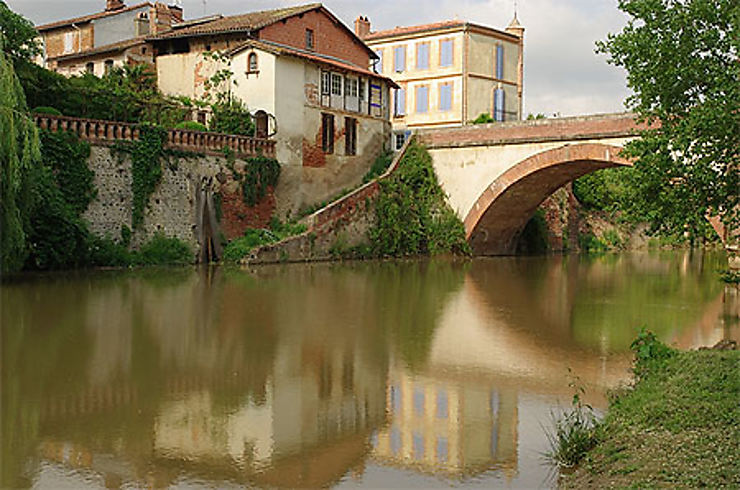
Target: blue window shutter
[(498, 105), (500, 62)]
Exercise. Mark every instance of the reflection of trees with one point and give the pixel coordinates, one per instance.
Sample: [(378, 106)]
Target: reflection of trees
[(410, 297), (599, 301)]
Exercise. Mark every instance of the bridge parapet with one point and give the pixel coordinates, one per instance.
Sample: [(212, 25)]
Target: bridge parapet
[(108, 132), (571, 129)]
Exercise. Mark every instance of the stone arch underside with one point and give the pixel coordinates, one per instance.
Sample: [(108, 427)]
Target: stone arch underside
[(498, 217)]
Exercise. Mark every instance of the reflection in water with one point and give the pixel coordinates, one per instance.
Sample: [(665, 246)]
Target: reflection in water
[(369, 374)]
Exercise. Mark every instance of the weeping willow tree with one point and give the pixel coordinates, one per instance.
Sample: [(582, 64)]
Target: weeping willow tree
[(19, 154)]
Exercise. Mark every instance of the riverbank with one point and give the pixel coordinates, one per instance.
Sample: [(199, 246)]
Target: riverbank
[(678, 427)]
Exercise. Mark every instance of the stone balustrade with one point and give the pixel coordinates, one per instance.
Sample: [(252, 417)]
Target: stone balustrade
[(108, 132)]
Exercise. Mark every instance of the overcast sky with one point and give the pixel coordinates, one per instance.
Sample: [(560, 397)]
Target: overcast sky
[(562, 74)]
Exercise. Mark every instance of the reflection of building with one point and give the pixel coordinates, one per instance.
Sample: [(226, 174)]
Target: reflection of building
[(449, 72), (449, 426)]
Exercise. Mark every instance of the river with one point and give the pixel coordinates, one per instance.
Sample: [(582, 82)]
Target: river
[(367, 374)]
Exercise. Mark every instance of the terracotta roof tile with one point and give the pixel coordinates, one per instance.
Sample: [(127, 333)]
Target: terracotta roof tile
[(88, 18), (437, 26), (119, 46), (244, 22)]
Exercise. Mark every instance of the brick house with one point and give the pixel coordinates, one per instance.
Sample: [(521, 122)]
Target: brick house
[(307, 73), (95, 43)]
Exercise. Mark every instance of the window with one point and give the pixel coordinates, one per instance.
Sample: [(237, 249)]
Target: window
[(399, 58), (252, 66), (325, 82), (418, 446), (445, 96), (422, 99), (399, 102), (309, 39), (361, 89), (350, 87), (202, 117), (327, 133), (400, 140), (442, 449), (108, 66), (500, 61), (90, 68), (379, 63), (419, 401), (498, 104), (69, 41), (422, 56), (446, 56), (442, 403), (336, 84), (350, 136)]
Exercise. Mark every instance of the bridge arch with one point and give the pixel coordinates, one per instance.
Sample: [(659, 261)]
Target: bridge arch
[(497, 218)]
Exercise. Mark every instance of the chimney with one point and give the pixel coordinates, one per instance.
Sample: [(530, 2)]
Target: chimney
[(176, 11), (362, 27), (111, 5)]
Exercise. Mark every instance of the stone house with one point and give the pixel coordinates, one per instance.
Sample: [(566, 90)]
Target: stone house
[(449, 72), (97, 42), (305, 75)]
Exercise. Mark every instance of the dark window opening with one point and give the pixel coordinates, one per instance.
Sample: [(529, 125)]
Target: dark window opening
[(309, 39), (327, 133), (208, 47), (350, 136), (90, 68), (202, 117), (180, 46), (108, 66), (252, 66)]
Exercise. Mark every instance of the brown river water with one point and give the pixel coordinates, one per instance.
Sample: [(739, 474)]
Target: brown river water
[(371, 374)]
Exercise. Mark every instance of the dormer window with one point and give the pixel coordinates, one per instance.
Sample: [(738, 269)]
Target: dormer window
[(252, 66), (309, 40)]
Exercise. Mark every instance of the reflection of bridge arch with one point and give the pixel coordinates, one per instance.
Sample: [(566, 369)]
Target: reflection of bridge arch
[(500, 213)]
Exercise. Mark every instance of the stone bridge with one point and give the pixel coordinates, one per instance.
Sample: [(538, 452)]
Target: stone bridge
[(496, 175)]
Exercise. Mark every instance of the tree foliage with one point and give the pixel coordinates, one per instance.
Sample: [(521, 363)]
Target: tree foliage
[(21, 38), (681, 58), (19, 157)]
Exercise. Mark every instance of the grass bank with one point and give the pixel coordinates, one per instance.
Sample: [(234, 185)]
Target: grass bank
[(679, 426)]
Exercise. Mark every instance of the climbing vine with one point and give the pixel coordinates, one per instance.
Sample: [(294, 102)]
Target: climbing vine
[(146, 168), (259, 174), (67, 156)]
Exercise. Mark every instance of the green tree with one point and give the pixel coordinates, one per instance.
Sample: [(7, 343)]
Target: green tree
[(19, 157), (21, 38), (682, 64)]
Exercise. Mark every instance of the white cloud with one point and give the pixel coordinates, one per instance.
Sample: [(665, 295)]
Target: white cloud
[(562, 72)]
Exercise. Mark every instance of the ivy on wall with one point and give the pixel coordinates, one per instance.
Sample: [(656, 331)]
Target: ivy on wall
[(259, 174), (146, 168)]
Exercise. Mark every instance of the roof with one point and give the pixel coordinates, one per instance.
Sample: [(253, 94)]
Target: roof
[(252, 21), (437, 26), (119, 46), (88, 18), (237, 23), (281, 49)]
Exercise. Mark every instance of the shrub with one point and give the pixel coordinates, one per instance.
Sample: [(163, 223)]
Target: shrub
[(412, 215), (161, 250), (47, 110), (240, 247), (259, 174), (380, 165), (575, 431), (483, 118), (232, 117), (191, 126), (649, 352)]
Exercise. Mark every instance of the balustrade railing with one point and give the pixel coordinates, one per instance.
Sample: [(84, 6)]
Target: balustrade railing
[(108, 132)]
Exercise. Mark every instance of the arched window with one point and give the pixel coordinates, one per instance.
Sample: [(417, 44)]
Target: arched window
[(252, 63)]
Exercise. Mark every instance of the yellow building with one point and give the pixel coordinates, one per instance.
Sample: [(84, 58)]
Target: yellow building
[(449, 72)]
